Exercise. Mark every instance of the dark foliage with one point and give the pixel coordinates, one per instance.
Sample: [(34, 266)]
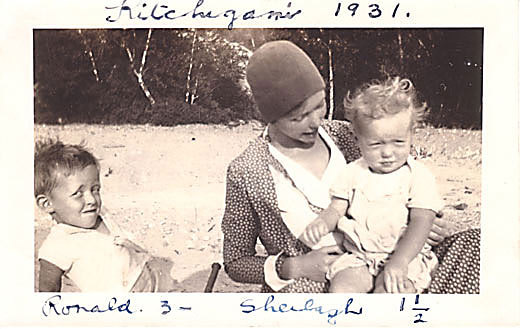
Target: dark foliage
[(197, 75)]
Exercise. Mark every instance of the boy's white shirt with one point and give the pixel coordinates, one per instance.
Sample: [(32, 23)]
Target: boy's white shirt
[(413, 180), (379, 205), (293, 200), (94, 261)]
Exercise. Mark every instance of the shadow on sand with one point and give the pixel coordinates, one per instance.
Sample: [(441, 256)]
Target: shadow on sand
[(197, 282)]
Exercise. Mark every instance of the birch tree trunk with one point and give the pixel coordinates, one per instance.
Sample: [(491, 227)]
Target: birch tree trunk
[(193, 93), (188, 97), (139, 72), (331, 84), (401, 51), (90, 56)]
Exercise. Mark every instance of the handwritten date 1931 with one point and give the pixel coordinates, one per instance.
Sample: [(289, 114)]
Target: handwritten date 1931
[(373, 10)]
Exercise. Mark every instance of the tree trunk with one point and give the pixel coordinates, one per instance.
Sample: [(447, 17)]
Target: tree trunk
[(90, 56), (139, 73), (401, 50), (331, 84), (190, 68)]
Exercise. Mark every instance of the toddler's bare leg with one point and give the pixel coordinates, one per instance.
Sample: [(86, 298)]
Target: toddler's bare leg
[(352, 280), (380, 285)]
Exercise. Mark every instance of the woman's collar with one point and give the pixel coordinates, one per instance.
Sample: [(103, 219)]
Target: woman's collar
[(316, 190)]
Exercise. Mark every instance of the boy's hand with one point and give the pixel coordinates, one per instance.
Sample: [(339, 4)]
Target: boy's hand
[(314, 232), (124, 242), (395, 276)]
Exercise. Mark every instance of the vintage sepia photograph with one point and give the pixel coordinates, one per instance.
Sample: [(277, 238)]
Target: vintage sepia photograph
[(270, 164), (301, 160)]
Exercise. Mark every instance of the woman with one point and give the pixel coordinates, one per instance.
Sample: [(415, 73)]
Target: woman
[(282, 180)]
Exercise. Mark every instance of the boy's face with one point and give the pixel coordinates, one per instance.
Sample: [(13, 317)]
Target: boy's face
[(76, 199), (385, 142)]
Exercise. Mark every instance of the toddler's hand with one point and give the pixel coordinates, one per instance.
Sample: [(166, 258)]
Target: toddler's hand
[(395, 276), (314, 232)]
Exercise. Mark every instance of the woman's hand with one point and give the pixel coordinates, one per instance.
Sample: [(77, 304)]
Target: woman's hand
[(439, 230), (314, 265)]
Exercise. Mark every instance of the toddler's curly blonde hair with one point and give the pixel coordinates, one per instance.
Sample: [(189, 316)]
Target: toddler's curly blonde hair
[(378, 99)]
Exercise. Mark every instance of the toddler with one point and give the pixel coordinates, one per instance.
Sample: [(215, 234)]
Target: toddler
[(89, 250), (390, 200)]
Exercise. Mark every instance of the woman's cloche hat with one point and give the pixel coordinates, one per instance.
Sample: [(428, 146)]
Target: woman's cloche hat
[(281, 77)]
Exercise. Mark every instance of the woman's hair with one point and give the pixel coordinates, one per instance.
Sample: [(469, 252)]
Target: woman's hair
[(378, 99), (52, 157)]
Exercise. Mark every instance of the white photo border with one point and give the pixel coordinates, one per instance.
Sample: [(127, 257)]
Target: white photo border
[(499, 300)]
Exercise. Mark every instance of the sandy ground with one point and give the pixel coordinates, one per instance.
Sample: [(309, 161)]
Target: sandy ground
[(166, 186)]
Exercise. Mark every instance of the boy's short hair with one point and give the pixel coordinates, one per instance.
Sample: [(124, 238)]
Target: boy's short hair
[(52, 157), (377, 99)]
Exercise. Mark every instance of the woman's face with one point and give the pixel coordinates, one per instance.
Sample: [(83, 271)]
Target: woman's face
[(299, 128)]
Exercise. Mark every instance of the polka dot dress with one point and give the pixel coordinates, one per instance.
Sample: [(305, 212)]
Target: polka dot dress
[(459, 264), (252, 212)]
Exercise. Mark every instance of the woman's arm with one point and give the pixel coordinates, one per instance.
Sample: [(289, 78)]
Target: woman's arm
[(313, 265), (241, 229), (50, 277), (409, 246)]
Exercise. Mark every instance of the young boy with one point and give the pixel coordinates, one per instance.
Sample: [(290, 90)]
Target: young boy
[(87, 249), (391, 199)]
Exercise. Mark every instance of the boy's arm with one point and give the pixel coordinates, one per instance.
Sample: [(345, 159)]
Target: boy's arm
[(410, 244), (337, 208), (326, 222), (50, 277), (424, 194)]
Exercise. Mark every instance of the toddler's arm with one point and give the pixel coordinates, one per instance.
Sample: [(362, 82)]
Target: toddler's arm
[(409, 246), (50, 277), (325, 222)]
